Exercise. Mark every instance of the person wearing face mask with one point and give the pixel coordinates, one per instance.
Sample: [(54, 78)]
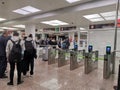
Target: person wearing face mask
[(14, 51)]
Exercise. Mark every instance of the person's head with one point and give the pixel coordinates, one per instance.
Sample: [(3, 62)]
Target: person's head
[(30, 35), (15, 33), (5, 33)]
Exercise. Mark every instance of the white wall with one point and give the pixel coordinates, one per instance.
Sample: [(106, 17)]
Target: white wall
[(100, 39)]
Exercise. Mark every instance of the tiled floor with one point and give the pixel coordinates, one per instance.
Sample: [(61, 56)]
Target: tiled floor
[(50, 77)]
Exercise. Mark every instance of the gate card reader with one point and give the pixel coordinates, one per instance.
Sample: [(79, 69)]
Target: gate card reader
[(108, 49)]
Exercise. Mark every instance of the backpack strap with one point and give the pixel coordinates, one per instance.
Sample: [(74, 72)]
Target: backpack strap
[(15, 41)]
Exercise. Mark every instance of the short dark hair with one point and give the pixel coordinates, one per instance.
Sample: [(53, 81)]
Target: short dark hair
[(30, 35), (15, 33), (4, 32)]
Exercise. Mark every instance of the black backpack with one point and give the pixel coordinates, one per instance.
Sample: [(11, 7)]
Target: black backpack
[(29, 48), (16, 52)]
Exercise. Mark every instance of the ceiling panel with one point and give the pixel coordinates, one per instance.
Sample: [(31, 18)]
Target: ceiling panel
[(45, 5)]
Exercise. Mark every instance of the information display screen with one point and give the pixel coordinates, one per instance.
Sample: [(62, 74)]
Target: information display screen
[(90, 48), (108, 49)]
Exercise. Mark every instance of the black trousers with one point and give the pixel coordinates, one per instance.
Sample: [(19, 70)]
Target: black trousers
[(3, 65), (29, 64), (12, 69)]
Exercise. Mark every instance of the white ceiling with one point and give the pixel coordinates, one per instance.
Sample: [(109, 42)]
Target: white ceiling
[(73, 18)]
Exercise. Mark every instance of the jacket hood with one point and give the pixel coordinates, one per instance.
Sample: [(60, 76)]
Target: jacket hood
[(29, 39)]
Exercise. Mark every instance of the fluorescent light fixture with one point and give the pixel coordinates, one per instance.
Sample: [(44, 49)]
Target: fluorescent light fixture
[(72, 1), (96, 20), (30, 9), (82, 28), (109, 18), (83, 31), (2, 19), (8, 28), (55, 22), (26, 10), (19, 26), (92, 16), (20, 11), (106, 14), (1, 30)]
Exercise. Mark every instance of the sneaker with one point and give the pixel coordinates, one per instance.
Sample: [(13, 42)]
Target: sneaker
[(9, 83), (20, 82)]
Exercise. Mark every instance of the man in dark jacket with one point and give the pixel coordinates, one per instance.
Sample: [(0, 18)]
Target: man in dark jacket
[(3, 60)]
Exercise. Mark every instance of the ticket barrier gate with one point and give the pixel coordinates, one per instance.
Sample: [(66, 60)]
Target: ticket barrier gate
[(62, 58), (108, 65), (51, 56), (118, 83), (91, 61), (73, 59)]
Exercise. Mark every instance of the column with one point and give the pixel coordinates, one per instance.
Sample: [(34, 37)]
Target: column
[(78, 40), (43, 36), (71, 38), (30, 29)]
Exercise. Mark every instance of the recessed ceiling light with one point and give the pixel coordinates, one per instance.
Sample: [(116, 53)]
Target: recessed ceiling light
[(26, 10), (1, 30), (19, 26), (109, 18), (108, 14), (82, 28), (96, 20), (30, 9), (20, 11), (92, 16), (55, 22), (83, 31), (72, 1), (2, 19), (8, 28)]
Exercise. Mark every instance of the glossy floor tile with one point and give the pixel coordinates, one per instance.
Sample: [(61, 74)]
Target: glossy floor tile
[(50, 77)]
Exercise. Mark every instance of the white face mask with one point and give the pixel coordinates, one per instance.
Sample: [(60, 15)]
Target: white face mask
[(15, 38)]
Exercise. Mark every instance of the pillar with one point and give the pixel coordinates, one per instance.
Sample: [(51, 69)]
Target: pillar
[(30, 29), (71, 39)]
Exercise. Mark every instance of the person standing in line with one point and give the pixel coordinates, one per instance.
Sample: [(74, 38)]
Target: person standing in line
[(29, 54), (14, 51), (3, 60)]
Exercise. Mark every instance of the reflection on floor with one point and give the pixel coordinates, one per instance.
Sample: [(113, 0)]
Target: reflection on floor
[(50, 77)]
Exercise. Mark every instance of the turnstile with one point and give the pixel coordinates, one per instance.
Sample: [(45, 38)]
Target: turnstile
[(61, 58), (118, 82), (51, 56), (108, 65), (74, 59), (91, 61)]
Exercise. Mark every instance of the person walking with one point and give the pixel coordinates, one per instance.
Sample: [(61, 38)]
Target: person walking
[(14, 51), (29, 54)]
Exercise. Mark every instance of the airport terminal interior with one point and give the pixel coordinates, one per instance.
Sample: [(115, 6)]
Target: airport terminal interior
[(76, 44)]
